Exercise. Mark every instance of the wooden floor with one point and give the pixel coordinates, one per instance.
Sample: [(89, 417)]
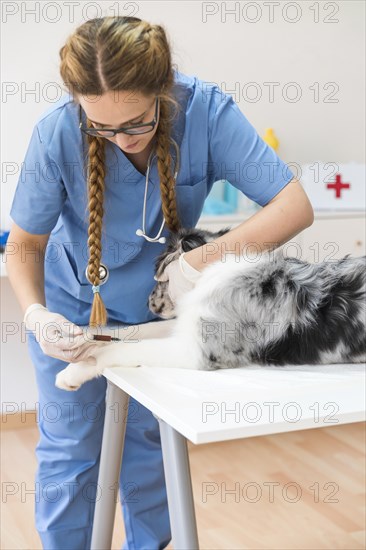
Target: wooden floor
[(295, 490)]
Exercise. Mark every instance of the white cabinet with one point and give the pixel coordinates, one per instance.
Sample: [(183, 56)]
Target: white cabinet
[(332, 234), (333, 237)]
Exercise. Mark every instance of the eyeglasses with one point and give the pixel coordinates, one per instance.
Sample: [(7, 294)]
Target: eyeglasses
[(132, 129)]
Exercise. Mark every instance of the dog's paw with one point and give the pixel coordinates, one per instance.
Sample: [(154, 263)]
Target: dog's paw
[(67, 380)]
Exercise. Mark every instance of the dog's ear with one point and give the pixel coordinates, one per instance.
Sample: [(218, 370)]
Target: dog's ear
[(184, 240), (187, 244), (222, 232), (198, 237), (193, 238)]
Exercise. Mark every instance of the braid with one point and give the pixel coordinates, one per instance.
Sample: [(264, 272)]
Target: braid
[(167, 184), (98, 314)]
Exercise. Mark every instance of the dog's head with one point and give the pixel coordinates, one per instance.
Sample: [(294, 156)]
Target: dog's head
[(184, 240)]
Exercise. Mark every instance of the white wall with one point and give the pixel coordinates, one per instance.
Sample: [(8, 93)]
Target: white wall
[(222, 48), (324, 50)]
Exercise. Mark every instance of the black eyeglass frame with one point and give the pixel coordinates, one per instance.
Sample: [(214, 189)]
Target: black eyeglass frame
[(125, 130)]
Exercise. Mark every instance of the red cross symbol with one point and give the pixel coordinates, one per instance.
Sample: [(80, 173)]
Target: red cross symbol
[(338, 186)]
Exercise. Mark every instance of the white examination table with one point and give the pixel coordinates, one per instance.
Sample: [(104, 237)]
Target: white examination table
[(214, 406)]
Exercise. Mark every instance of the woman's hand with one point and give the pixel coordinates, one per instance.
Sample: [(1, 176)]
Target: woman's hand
[(57, 336), (182, 277)]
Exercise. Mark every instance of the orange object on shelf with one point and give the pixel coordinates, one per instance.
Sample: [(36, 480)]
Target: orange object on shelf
[(271, 139)]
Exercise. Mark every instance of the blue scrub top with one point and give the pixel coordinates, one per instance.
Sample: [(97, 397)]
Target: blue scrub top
[(216, 142)]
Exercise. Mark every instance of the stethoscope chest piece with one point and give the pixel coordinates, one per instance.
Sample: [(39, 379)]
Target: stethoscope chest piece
[(103, 274)]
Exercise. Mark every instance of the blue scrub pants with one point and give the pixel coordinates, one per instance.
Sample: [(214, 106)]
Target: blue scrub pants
[(68, 453)]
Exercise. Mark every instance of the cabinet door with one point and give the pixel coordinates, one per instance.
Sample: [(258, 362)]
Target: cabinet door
[(333, 238)]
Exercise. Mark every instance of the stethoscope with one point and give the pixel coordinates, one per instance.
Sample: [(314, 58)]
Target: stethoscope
[(142, 232), (103, 269)]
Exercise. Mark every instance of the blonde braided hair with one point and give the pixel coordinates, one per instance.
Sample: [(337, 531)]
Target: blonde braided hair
[(106, 54)]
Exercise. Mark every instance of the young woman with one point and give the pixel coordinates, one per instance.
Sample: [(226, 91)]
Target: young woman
[(83, 203)]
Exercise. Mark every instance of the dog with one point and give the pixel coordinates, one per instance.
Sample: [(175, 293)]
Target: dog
[(265, 310)]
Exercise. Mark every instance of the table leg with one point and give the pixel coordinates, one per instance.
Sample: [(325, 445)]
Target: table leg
[(179, 488), (110, 466)]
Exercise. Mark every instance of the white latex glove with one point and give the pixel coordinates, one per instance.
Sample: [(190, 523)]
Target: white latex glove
[(182, 277), (57, 336)]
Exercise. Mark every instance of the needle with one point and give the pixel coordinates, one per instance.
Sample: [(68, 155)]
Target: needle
[(105, 338), (101, 337)]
